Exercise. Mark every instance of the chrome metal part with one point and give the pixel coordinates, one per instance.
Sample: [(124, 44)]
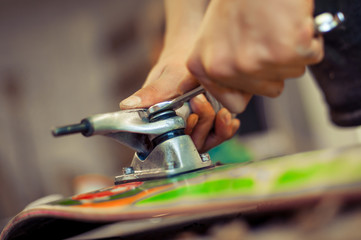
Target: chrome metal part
[(132, 121), (205, 157), (128, 170), (172, 157), (175, 103), (157, 136), (131, 128), (326, 22), (175, 154)]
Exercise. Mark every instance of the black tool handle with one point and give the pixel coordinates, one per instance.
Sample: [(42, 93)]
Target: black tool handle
[(83, 127)]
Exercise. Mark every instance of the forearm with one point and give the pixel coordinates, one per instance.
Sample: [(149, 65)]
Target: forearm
[(183, 18)]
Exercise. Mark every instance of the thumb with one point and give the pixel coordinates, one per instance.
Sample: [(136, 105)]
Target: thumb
[(165, 87), (144, 97)]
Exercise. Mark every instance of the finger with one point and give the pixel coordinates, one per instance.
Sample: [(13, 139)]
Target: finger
[(144, 97), (270, 86), (206, 115), (160, 86), (191, 123), (311, 49), (313, 53), (278, 72), (234, 100), (150, 95), (224, 129), (316, 51), (268, 82)]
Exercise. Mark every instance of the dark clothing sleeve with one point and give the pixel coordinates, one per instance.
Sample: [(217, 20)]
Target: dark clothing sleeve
[(339, 74)]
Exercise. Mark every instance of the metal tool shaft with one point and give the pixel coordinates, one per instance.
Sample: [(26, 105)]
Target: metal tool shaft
[(175, 103)]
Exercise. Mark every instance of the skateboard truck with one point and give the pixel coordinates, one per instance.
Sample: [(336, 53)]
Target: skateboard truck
[(156, 134)]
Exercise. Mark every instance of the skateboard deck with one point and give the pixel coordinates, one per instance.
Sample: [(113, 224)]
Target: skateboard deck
[(257, 186)]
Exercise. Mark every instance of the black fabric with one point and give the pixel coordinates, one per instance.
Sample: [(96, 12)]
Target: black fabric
[(339, 74)]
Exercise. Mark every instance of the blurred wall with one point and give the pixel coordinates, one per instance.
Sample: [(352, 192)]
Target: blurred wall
[(61, 61)]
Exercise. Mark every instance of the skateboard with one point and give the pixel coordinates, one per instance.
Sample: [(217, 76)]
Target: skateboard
[(170, 183), (257, 186)]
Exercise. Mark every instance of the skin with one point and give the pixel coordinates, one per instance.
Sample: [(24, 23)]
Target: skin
[(247, 47), (170, 77)]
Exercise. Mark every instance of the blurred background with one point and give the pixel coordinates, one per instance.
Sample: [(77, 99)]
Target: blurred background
[(61, 61)]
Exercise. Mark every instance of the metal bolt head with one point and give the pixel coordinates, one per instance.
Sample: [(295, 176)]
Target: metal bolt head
[(128, 170), (205, 157), (170, 165)]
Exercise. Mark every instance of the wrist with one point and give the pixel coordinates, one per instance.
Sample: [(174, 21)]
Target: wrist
[(183, 19)]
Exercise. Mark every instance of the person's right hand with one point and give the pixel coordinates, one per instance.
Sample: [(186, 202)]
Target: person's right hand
[(247, 47)]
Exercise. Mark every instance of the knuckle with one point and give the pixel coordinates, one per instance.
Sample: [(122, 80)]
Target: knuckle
[(317, 56), (219, 68), (283, 56), (299, 71), (194, 66), (248, 61), (247, 65), (210, 113), (237, 107), (276, 91), (320, 56), (296, 72), (307, 31), (201, 106)]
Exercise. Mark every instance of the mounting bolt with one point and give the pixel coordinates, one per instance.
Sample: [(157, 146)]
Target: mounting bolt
[(205, 157), (128, 170), (170, 165)]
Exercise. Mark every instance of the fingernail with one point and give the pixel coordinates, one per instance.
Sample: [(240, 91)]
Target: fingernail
[(235, 125), (227, 118), (200, 98), (193, 121), (130, 102)]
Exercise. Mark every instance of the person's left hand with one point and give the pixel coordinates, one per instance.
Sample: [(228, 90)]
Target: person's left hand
[(170, 78)]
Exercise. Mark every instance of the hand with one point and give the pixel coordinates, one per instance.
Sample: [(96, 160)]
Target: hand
[(250, 47), (203, 119), (170, 78)]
